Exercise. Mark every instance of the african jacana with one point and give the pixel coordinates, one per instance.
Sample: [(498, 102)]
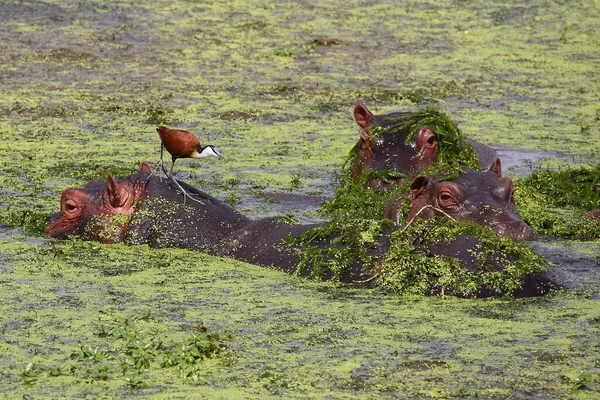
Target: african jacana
[(183, 144)]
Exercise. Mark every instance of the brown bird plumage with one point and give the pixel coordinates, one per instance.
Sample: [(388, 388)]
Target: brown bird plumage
[(183, 144), (179, 143)]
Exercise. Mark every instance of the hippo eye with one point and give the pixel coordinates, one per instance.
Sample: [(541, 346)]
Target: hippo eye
[(446, 200), (70, 206), (431, 140)]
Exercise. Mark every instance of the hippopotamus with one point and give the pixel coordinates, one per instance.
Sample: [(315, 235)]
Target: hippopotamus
[(482, 197), (146, 209), (383, 147)]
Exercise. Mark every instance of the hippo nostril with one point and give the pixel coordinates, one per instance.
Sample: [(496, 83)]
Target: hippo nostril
[(516, 231), (528, 233)]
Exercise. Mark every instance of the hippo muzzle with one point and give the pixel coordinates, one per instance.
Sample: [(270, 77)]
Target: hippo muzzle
[(517, 230)]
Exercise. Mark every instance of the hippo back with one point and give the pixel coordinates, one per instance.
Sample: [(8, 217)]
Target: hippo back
[(163, 220)]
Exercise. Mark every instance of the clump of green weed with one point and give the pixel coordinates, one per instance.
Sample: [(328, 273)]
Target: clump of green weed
[(498, 264), (232, 198), (582, 381), (453, 151), (354, 200), (555, 202), (30, 373), (295, 181), (578, 187), (133, 351), (348, 244), (187, 356), (31, 221)]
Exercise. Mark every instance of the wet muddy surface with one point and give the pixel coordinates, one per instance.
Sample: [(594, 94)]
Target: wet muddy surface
[(273, 84), (519, 162)]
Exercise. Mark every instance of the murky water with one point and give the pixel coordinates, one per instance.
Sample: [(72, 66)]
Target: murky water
[(273, 84), (518, 162)]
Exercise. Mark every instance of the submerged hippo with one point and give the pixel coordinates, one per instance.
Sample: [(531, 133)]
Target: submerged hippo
[(143, 209), (382, 146), (482, 197)]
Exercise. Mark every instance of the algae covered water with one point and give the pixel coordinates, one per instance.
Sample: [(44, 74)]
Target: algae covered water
[(273, 84)]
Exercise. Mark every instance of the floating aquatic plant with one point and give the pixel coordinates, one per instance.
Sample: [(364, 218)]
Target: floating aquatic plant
[(497, 265), (555, 202)]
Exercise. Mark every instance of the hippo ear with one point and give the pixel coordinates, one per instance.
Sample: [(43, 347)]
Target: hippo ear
[(362, 115), (117, 195), (496, 166), (417, 187), (145, 168)]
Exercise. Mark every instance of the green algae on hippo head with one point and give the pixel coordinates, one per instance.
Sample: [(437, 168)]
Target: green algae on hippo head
[(100, 211), (141, 208), (440, 255), (396, 146), (485, 198), (434, 256)]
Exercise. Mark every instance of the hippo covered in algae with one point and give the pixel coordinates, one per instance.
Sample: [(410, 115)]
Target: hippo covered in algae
[(144, 209), (396, 145), (473, 195)]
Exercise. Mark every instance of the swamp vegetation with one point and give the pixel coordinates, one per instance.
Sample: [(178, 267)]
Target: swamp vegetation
[(84, 85)]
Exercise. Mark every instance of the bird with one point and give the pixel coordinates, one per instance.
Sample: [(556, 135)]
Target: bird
[(183, 144)]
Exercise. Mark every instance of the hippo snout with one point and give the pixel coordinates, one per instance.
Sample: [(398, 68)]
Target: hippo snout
[(517, 230), (51, 219)]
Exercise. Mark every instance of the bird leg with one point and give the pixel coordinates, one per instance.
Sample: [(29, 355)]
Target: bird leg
[(170, 176), (185, 194), (161, 165)]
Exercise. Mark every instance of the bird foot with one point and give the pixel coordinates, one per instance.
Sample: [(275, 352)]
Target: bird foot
[(185, 194)]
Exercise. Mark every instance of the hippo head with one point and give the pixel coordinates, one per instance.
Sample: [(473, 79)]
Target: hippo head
[(382, 147), (100, 211), (481, 197)]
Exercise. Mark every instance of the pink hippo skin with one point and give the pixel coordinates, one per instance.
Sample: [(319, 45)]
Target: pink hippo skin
[(388, 151), (99, 211), (481, 197)]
